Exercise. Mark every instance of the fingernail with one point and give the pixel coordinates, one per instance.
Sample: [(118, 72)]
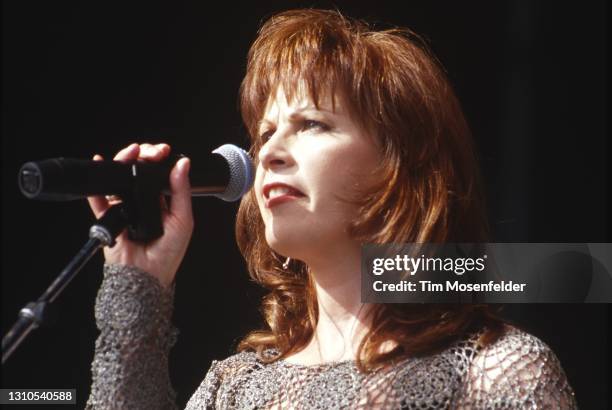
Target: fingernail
[(184, 164)]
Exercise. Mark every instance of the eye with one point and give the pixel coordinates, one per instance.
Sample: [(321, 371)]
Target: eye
[(265, 136), (308, 125)]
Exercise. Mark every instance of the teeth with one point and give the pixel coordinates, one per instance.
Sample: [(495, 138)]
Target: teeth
[(281, 190), (278, 191)]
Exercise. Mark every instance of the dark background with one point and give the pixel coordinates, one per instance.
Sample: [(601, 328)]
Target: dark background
[(79, 79)]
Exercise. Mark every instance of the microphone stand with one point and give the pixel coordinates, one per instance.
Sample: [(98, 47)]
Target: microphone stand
[(102, 233)]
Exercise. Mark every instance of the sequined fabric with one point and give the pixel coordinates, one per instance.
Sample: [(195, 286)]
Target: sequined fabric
[(518, 371)]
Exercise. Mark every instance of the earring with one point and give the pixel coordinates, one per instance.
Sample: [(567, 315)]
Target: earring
[(286, 264)]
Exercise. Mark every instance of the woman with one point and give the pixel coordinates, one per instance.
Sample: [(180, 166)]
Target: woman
[(358, 138)]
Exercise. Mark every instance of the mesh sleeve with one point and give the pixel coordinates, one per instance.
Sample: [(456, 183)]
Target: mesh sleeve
[(130, 367), (517, 371)]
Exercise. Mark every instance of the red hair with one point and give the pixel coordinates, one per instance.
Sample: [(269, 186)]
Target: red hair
[(427, 188)]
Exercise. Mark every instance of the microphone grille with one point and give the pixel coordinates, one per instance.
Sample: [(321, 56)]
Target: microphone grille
[(241, 172)]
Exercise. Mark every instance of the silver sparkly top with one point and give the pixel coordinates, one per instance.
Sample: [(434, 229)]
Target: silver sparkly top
[(130, 368)]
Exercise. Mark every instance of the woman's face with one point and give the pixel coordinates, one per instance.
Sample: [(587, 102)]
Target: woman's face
[(311, 159)]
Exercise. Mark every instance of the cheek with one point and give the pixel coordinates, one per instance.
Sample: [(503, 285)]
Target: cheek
[(344, 171), (257, 186)]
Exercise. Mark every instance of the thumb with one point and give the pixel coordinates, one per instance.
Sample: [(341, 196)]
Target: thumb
[(180, 205)]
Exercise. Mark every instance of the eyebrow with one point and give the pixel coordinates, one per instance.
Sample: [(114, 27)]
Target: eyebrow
[(296, 115)]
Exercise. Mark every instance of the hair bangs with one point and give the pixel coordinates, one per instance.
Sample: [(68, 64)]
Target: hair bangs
[(314, 60)]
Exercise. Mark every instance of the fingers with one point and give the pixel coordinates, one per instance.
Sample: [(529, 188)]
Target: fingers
[(156, 152), (129, 153), (147, 152), (133, 152), (180, 206), (100, 204)]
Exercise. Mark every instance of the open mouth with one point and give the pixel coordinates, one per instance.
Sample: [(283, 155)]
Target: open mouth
[(276, 193), (283, 190)]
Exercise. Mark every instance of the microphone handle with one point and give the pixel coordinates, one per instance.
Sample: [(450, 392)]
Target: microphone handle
[(65, 179)]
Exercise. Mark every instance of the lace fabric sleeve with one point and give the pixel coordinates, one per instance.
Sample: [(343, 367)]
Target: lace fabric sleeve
[(517, 371), (130, 367)]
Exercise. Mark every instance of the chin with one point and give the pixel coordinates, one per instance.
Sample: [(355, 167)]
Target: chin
[(299, 241), (295, 240), (286, 245)]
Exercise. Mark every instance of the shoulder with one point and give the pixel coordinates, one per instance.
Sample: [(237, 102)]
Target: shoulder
[(234, 366), (514, 351), (236, 359), (518, 370), (237, 363), (512, 346), (221, 371)]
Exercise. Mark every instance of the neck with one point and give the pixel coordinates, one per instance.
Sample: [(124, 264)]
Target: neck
[(342, 317)]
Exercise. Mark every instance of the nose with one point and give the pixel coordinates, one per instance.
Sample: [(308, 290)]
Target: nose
[(275, 152)]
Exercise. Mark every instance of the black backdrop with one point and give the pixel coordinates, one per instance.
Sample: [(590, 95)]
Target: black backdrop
[(88, 78)]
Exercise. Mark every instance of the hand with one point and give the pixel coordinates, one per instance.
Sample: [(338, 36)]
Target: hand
[(162, 257)]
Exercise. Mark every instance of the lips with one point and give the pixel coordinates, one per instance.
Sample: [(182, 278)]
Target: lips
[(278, 192)]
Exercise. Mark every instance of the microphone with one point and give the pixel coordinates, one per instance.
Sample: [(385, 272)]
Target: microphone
[(226, 174)]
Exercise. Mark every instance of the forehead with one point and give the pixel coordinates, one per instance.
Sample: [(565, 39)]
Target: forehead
[(301, 100)]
